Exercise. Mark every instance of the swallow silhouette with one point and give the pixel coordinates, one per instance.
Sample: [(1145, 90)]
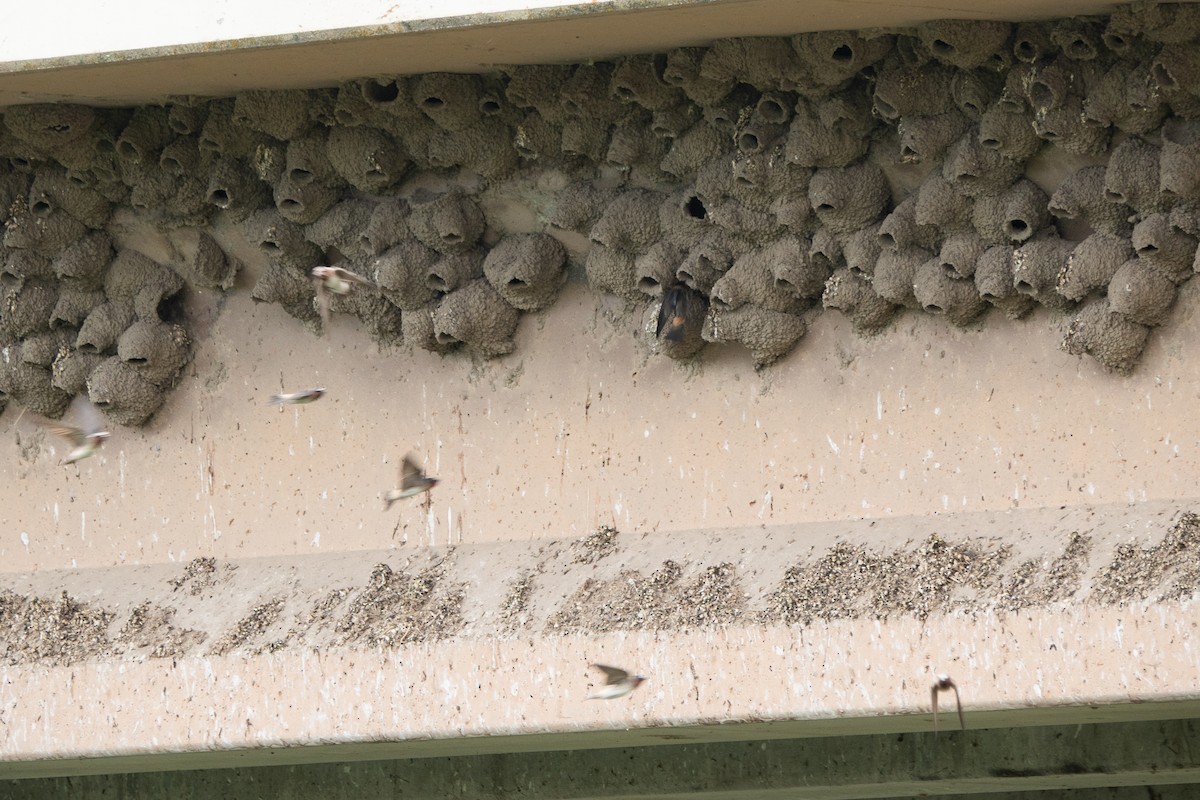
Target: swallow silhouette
[(85, 440), (413, 481), (617, 683), (681, 305), (945, 684), (330, 281), (296, 398)]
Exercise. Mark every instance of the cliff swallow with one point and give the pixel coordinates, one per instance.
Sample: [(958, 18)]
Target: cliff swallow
[(334, 280), (84, 440), (617, 683), (412, 482), (680, 304), (296, 398), (943, 684)]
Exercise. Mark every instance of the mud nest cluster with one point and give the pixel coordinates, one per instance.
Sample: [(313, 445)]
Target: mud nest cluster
[(756, 177)]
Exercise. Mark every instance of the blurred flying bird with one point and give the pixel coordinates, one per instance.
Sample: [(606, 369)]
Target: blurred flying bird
[(617, 683), (945, 684), (681, 305), (334, 280), (296, 398), (412, 482), (84, 440)]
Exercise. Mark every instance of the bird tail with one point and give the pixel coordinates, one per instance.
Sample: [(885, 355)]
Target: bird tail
[(276, 399), (674, 329)]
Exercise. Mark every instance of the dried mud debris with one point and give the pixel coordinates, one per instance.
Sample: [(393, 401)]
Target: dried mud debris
[(198, 575), (149, 628), (57, 630), (661, 600), (396, 608), (514, 610), (321, 614), (250, 627), (1138, 572), (851, 581), (1031, 585), (599, 544)]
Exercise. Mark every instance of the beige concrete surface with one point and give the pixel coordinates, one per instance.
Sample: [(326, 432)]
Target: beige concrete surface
[(424, 699), (465, 44), (323, 658)]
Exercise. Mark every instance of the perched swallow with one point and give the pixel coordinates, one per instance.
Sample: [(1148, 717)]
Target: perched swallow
[(617, 683), (334, 280), (680, 304), (412, 482), (296, 398), (943, 684), (86, 439)]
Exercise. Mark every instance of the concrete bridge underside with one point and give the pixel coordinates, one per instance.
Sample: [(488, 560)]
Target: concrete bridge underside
[(791, 659)]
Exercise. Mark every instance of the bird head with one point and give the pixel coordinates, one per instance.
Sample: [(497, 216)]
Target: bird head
[(637, 680)]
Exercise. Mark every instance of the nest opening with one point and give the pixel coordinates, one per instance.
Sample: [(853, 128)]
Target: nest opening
[(171, 308), (381, 92), (942, 48)]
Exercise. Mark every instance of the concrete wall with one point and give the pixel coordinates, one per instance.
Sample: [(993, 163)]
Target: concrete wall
[(928, 473)]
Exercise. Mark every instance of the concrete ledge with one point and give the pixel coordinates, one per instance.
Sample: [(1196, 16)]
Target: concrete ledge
[(397, 667), (369, 40)]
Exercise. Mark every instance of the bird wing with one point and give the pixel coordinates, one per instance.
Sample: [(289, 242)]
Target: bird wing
[(353, 277), (322, 304), (933, 693), (962, 722), (73, 435), (91, 422), (667, 311), (410, 474), (612, 674)]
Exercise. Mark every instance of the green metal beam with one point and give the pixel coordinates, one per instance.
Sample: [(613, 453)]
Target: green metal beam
[(876, 766)]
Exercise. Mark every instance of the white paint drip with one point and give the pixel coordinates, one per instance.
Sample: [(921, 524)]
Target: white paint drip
[(833, 445), (766, 503)]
